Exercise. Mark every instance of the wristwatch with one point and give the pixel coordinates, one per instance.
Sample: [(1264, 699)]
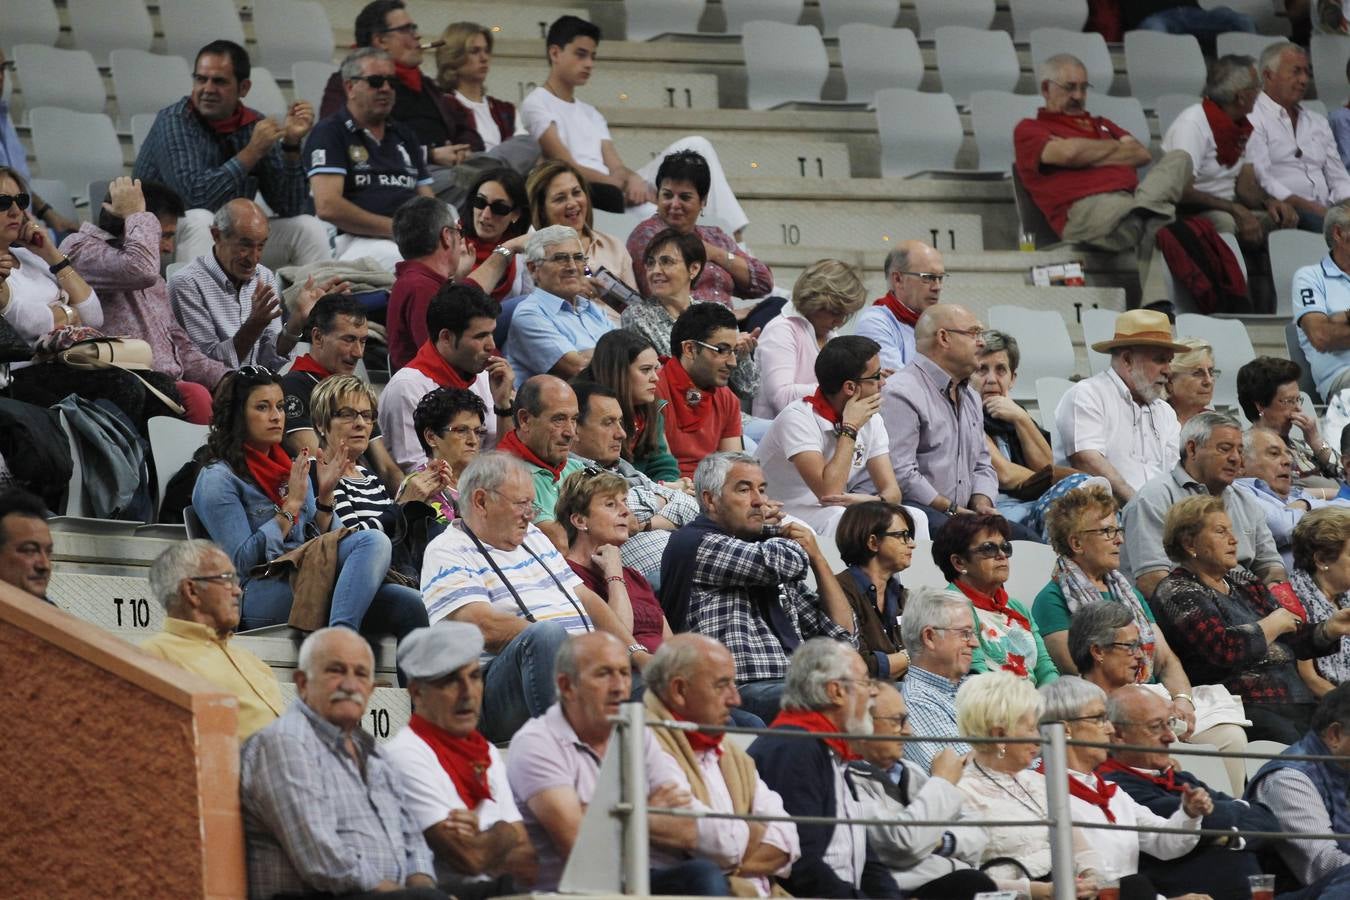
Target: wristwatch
[(505, 252), (636, 648)]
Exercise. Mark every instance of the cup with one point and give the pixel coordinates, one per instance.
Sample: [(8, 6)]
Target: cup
[(1026, 242), (1108, 889), (1263, 886)]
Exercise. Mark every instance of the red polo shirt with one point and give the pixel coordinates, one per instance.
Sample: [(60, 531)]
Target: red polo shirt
[(406, 323), (1056, 188)]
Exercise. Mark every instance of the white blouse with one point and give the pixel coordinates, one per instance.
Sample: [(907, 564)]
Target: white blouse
[(1119, 850), (32, 290)]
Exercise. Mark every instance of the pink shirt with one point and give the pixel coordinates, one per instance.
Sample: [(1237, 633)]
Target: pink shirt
[(787, 363)]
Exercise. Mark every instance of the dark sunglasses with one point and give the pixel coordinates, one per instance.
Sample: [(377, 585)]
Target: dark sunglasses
[(375, 81), (989, 550), (256, 372), (8, 200), (498, 207)]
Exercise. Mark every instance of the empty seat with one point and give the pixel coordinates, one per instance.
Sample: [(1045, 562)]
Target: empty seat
[(101, 26), (172, 443), (28, 22), (141, 123), (1089, 46), (1329, 55), (265, 96), (57, 194), (650, 18), (1028, 15), (993, 116), (919, 132), (308, 79), (1127, 112), (1240, 43), (1050, 389), (783, 63), (1232, 350), (1035, 565), (1274, 748), (1098, 325), (1169, 106), (1291, 250), (934, 14), (971, 59), (838, 13), (1159, 63), (75, 147), (876, 58), (147, 82), (1316, 106), (191, 24), (65, 78), (739, 12), (289, 31), (1045, 344)]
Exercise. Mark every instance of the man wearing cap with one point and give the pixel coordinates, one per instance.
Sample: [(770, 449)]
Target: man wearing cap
[(1117, 423), (454, 781)]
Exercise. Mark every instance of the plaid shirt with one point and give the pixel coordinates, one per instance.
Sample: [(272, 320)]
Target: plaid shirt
[(931, 702), (312, 822), (730, 579), (204, 168)]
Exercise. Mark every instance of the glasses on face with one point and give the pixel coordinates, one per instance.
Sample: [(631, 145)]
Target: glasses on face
[(966, 635), (900, 721), (906, 536), (1073, 87), (989, 550), (975, 333), (1160, 726), (562, 259), (498, 207), (8, 200), (347, 414), (664, 262), (877, 377), (1287, 402), (520, 507), (1134, 648), (375, 81), (1099, 719), (1110, 532), (717, 349), (928, 277), (463, 431), (865, 682), (408, 28), (223, 578)]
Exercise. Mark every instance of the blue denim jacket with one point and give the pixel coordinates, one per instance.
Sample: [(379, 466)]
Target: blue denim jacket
[(243, 521)]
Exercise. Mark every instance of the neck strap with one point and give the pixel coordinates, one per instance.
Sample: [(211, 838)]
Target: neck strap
[(515, 595)]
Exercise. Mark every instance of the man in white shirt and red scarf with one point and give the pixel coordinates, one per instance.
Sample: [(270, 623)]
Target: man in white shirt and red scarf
[(454, 781), (459, 353), (915, 273)]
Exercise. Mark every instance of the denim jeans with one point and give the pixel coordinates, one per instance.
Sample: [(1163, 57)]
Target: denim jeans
[(761, 698), (518, 683), (694, 878)]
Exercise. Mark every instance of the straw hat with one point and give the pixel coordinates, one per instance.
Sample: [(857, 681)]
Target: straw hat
[(1142, 328)]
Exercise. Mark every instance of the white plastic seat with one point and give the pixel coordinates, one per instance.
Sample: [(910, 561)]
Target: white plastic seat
[(190, 25), (1329, 54), (56, 193), (971, 59), (993, 116), (1296, 355), (1316, 106), (1050, 389), (838, 13), (649, 18), (28, 22), (172, 443), (141, 123), (1089, 46), (934, 14), (1169, 106), (308, 79), (75, 147), (289, 31), (919, 132), (265, 96), (1209, 769), (101, 26), (740, 12), (1290, 250), (1127, 112), (1240, 43), (1232, 350), (147, 82), (1044, 341), (1273, 747), (783, 63), (53, 77), (1098, 325), (875, 58), (1028, 15), (1032, 566), (1159, 63)]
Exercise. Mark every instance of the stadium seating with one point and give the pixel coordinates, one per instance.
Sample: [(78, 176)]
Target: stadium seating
[(1232, 349), (739, 12), (1028, 15), (1089, 47), (919, 132), (57, 194), (1169, 106), (783, 63), (54, 77), (291, 31), (1098, 325), (190, 24), (28, 22), (1291, 250), (972, 59), (875, 58), (1274, 748), (1240, 43), (1294, 350), (148, 82), (308, 78), (1050, 389), (837, 14), (933, 14), (102, 26), (74, 147), (993, 116), (265, 96), (1160, 63), (1329, 53), (650, 18), (1044, 339), (1127, 112)]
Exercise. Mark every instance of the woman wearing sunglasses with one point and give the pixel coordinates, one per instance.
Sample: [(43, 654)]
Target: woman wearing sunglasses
[(876, 542), (493, 220), (559, 195), (974, 551)]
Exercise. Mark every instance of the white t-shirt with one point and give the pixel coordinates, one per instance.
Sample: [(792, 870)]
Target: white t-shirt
[(1190, 131), (483, 122), (797, 429), (1099, 414), (398, 402), (581, 128)]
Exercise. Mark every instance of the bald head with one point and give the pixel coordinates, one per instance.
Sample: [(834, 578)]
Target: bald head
[(695, 677), (239, 230), (546, 417), (914, 273), (1140, 717), (952, 337), (336, 675)]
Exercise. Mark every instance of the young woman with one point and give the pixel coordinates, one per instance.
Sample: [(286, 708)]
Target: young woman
[(495, 216), (626, 363)]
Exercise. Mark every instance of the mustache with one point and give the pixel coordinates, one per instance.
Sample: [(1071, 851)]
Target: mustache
[(353, 696)]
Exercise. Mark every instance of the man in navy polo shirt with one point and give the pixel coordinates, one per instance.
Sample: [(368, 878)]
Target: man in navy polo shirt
[(362, 164)]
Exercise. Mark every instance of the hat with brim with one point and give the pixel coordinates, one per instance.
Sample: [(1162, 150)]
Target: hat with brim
[(1142, 328)]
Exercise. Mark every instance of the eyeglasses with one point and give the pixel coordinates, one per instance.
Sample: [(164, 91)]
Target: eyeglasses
[(1211, 374), (900, 721), (222, 578), (1110, 532), (1134, 648), (521, 507), (498, 207), (463, 431), (8, 200), (877, 377), (1174, 725), (965, 634), (1286, 402), (346, 414), (989, 550), (375, 81), (906, 536), (717, 349), (865, 682), (1073, 87), (456, 227), (252, 371), (928, 277), (1099, 719), (975, 333), (407, 28), (562, 259)]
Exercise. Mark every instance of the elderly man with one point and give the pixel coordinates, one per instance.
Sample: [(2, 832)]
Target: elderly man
[(554, 329), (914, 276), (1292, 148), (1269, 480), (494, 569), (1211, 459), (702, 415), (229, 303), (199, 589), (546, 423), (1214, 134), (1322, 307), (1312, 798), (1080, 170), (1219, 866), (429, 239), (323, 809), (555, 762), (1118, 424), (735, 574), (25, 543), (826, 690), (924, 860), (692, 678), (363, 165), (456, 354), (211, 149), (938, 630), (454, 781)]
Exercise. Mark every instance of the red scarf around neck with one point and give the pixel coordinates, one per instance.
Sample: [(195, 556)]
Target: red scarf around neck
[(997, 603), (822, 407), (701, 741), (511, 443), (464, 759), (270, 470), (898, 309), (639, 426), (689, 416), (409, 76), (1099, 797), (816, 723), (1167, 781), (1229, 137), (430, 363), (309, 364), (481, 251), (242, 117)]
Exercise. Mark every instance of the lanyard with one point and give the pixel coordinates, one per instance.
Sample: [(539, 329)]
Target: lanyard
[(525, 610)]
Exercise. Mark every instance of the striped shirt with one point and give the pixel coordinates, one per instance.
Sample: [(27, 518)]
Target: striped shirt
[(212, 310), (360, 500), (455, 573)]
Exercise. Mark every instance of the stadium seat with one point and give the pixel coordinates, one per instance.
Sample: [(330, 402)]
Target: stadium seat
[(1159, 63), (1031, 222), (1329, 55), (1305, 380), (75, 147), (971, 59), (933, 14), (993, 116), (1127, 112), (1240, 43), (265, 96), (919, 132), (308, 79), (783, 63), (1098, 325), (1315, 105), (1209, 769), (839, 13), (1272, 747), (1049, 391), (57, 194), (875, 58), (289, 31), (1044, 339), (649, 18), (1089, 46), (172, 443), (147, 82), (171, 268), (120, 603), (1028, 15), (1291, 250), (94, 194), (1169, 106), (1232, 350), (28, 22), (739, 12), (141, 123), (101, 26), (1033, 566), (53, 77), (190, 24)]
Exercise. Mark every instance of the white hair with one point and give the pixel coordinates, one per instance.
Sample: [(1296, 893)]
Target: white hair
[(311, 644), (1066, 697), (928, 607), (813, 666), (710, 475), (181, 561), (536, 246)]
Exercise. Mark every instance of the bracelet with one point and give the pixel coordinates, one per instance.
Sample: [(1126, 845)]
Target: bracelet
[(40, 213), (505, 252), (288, 516), (322, 507), (68, 310), (57, 267), (506, 413), (636, 648), (843, 430), (618, 578), (1186, 697)]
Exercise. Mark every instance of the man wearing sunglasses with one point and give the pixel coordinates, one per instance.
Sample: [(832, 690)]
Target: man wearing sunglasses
[(363, 164), (915, 274)]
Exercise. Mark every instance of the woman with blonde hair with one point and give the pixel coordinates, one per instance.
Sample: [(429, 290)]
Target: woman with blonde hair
[(823, 299), (462, 65), (1190, 386)]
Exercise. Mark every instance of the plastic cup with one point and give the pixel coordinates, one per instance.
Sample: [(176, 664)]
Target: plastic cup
[(1108, 889), (1263, 886)]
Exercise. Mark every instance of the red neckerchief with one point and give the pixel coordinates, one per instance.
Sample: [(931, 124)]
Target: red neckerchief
[(822, 407), (1081, 122), (997, 603), (464, 759), (309, 364), (816, 723), (1167, 781), (409, 76), (512, 444), (1100, 797), (689, 406), (431, 364), (1229, 137), (243, 116), (898, 309), (702, 741), (270, 470), (481, 251)]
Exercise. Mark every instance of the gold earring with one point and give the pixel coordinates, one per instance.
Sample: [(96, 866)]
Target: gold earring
[(1002, 751)]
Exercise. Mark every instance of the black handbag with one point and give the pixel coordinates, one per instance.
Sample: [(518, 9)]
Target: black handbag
[(13, 348)]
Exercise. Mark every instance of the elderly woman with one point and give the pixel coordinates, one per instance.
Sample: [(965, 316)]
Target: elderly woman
[(973, 551), (823, 299), (462, 64), (627, 363), (1229, 629), (1190, 385), (1320, 578), (1000, 784), (559, 195), (494, 216), (876, 542), (1081, 707), (450, 427), (1269, 395)]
